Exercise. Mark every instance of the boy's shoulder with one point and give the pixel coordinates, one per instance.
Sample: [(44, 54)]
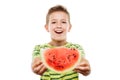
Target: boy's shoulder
[(44, 45), (76, 46), (73, 45)]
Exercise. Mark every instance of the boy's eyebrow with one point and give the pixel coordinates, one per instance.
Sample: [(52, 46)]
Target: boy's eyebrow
[(56, 19), (65, 19)]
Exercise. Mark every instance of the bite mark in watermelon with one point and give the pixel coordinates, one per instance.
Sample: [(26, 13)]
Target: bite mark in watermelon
[(60, 59)]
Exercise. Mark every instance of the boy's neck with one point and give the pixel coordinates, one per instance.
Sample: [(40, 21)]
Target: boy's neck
[(57, 43)]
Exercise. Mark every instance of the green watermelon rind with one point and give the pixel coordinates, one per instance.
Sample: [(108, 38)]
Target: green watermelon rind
[(50, 68)]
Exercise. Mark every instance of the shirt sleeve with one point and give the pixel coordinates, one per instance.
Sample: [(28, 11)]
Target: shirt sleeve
[(76, 46), (80, 48), (36, 51)]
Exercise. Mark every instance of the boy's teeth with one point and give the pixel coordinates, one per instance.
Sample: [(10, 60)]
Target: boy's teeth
[(58, 31)]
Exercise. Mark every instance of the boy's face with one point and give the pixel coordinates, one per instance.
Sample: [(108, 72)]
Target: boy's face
[(58, 25)]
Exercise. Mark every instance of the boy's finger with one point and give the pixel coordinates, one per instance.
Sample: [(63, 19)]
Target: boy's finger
[(84, 72), (37, 69), (35, 64), (82, 68), (42, 70)]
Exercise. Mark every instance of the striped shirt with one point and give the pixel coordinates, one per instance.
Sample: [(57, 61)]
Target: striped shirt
[(51, 75)]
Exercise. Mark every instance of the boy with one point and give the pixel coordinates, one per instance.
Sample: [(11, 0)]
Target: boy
[(58, 24)]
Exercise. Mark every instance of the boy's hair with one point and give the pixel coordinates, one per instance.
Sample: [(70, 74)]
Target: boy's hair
[(55, 9)]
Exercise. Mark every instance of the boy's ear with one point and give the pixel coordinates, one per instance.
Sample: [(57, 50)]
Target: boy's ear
[(69, 28), (46, 27)]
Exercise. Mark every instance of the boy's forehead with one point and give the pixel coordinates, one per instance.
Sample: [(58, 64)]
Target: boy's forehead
[(58, 15)]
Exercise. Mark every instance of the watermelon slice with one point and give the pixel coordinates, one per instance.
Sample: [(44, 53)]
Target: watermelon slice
[(60, 59)]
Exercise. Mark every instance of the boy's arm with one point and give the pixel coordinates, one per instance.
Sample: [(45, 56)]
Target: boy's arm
[(83, 67), (37, 65)]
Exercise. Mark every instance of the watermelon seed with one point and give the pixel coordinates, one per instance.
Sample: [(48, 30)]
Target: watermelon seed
[(54, 57), (74, 55), (72, 49), (59, 61), (51, 61), (68, 56), (59, 66)]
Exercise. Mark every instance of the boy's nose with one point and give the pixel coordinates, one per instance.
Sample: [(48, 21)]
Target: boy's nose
[(59, 25)]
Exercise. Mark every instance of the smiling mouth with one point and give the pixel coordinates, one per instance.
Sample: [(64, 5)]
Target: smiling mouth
[(59, 32)]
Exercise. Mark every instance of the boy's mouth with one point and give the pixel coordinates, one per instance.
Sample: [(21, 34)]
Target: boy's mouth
[(58, 31)]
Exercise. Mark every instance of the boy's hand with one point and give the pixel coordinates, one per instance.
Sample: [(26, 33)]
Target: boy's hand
[(83, 67), (38, 67)]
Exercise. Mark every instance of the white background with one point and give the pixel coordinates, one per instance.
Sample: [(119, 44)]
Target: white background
[(95, 25)]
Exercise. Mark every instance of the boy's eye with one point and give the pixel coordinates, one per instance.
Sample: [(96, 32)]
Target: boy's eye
[(53, 22), (64, 22)]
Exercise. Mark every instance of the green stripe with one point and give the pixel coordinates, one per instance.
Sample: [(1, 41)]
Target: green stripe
[(68, 74), (55, 76), (46, 75), (55, 79), (72, 75), (45, 78), (73, 78), (52, 74)]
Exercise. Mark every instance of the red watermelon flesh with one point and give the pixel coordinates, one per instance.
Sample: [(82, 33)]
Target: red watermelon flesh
[(61, 59)]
